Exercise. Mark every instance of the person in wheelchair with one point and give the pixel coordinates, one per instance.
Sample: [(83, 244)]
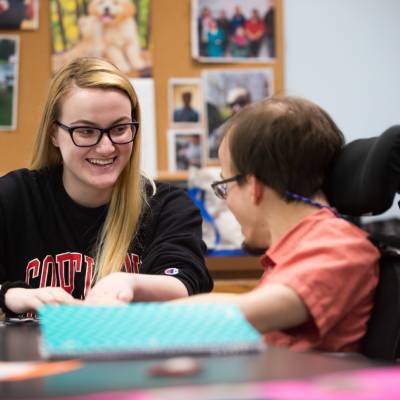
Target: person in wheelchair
[(321, 271)]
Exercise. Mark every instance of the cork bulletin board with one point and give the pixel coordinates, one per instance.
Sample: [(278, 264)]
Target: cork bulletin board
[(172, 58)]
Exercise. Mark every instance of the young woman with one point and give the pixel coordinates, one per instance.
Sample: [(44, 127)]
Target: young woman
[(82, 222)]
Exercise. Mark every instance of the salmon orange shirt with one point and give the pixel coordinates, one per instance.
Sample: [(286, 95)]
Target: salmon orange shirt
[(333, 267)]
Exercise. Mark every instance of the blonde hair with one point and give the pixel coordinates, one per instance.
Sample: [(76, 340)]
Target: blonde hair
[(128, 195)]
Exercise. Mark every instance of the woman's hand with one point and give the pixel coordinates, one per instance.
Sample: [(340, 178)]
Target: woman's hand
[(116, 288), (21, 300)]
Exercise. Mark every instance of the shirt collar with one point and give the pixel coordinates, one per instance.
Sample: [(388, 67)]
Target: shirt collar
[(273, 253)]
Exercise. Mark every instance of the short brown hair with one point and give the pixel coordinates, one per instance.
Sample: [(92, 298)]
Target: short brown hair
[(288, 143)]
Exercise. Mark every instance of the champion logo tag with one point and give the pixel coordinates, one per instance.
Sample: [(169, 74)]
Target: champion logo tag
[(171, 271)]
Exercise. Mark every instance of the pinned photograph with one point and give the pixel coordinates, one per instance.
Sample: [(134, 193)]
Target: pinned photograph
[(19, 14), (185, 149), (185, 102), (9, 56), (226, 92), (233, 30), (116, 30)]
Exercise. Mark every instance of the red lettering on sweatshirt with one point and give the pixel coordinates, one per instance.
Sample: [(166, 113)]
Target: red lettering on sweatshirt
[(64, 269)]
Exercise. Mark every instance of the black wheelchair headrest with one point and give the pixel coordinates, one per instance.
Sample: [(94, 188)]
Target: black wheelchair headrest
[(366, 175)]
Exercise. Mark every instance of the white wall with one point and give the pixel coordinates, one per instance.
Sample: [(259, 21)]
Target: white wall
[(345, 56), (145, 92)]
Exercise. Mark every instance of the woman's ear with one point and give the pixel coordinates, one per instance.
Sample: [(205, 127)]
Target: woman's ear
[(54, 139)]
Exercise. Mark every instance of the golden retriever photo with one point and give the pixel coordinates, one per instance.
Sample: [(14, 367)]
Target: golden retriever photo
[(108, 29), (120, 33), (90, 45)]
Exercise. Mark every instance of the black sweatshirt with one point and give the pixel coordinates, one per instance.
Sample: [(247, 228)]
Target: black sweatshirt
[(46, 239)]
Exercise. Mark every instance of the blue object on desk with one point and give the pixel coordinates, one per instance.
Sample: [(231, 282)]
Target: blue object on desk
[(225, 253), (145, 329)]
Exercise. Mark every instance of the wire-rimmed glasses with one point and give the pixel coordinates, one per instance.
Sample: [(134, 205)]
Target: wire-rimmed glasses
[(221, 188)]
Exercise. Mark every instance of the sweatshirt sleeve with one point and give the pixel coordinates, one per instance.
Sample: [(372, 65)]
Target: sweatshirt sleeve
[(173, 245), (5, 192), (3, 274)]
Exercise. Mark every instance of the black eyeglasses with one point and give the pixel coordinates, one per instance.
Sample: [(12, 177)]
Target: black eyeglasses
[(87, 136), (221, 188)]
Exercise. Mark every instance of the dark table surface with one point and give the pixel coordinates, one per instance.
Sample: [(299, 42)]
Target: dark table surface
[(21, 343)]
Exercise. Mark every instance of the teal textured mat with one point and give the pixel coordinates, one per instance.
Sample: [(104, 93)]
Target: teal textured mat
[(145, 329)]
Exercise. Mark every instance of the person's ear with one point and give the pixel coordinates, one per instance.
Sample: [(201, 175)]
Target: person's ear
[(256, 189), (54, 138)]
